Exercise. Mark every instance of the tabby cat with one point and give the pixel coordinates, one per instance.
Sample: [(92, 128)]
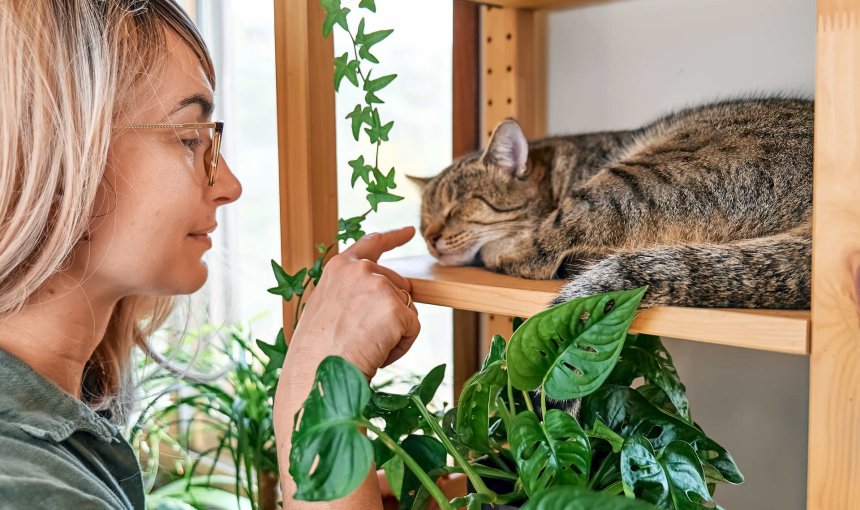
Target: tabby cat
[(710, 206)]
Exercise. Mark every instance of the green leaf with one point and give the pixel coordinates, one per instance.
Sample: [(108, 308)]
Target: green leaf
[(553, 452), (426, 389), (360, 170), (370, 40), (330, 5), (335, 17), (375, 197), (471, 501), (350, 228), (288, 284), (376, 132), (571, 348), (497, 351), (672, 480), (316, 270), (601, 431), (321, 248), (518, 321), (345, 68), (649, 359), (628, 413), (394, 474), (576, 498), (401, 415), (330, 457), (430, 454), (368, 4), (477, 401), (276, 353), (379, 83), (359, 117)]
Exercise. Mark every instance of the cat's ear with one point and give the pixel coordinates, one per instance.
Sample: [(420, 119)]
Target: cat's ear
[(508, 150), (422, 182)]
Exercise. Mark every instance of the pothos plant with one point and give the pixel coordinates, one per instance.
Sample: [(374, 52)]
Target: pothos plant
[(508, 434)]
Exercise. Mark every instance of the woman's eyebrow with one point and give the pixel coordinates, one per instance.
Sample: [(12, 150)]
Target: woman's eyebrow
[(202, 100)]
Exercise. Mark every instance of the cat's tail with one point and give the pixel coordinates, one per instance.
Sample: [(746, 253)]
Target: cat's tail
[(766, 272)]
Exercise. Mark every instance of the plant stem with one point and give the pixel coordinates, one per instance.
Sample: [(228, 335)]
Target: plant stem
[(419, 473), (511, 396), (615, 488), (599, 473), (528, 400), (542, 403), (476, 480)]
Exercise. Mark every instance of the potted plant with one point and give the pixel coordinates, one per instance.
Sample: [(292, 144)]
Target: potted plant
[(509, 434)]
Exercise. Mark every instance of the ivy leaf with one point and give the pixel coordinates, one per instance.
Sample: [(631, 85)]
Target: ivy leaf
[(345, 68), (571, 348), (370, 5), (330, 456), (674, 479), (276, 353), (288, 284), (350, 229), (321, 248), (359, 117), (377, 194), (384, 180), (379, 83), (361, 170), (477, 402), (377, 131), (316, 270), (577, 498), (369, 40), (628, 413), (334, 17)]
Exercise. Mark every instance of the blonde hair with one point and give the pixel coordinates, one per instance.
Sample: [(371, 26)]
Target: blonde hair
[(66, 65)]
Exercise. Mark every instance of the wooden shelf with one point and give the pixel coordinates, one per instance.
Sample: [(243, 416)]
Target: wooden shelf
[(540, 4), (479, 290)]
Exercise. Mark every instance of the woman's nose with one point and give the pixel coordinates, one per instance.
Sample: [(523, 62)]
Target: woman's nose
[(227, 187)]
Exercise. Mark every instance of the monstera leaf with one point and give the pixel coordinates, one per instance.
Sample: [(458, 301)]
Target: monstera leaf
[(478, 399), (674, 479), (628, 413), (571, 348), (429, 453), (645, 356), (401, 415), (575, 498), (330, 457), (555, 452)]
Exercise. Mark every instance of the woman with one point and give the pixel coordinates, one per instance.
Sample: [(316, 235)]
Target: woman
[(110, 178)]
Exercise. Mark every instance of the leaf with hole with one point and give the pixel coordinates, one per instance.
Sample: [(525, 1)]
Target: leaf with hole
[(330, 457), (553, 452), (571, 348), (628, 413), (672, 479), (477, 401), (576, 498)]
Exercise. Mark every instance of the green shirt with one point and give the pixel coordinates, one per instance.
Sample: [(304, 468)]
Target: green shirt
[(55, 452)]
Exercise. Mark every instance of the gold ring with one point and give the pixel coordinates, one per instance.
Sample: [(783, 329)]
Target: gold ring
[(408, 298)]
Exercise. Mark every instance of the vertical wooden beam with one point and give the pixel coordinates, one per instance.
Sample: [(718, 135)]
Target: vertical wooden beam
[(834, 387), (513, 53), (306, 134), (466, 138)]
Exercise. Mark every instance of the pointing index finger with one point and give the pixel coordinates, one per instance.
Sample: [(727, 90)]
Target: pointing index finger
[(372, 246)]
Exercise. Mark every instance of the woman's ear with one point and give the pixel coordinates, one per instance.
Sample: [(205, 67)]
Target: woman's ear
[(508, 150), (422, 182)]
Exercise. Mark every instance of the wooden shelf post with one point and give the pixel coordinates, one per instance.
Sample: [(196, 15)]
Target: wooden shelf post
[(834, 371), (306, 134)]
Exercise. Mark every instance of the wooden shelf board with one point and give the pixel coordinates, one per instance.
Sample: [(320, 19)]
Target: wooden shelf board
[(479, 290), (540, 4)]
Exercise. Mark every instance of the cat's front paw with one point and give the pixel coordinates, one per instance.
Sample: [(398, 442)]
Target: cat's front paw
[(505, 257)]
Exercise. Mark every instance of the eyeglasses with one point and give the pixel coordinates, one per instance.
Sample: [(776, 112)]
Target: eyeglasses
[(212, 154)]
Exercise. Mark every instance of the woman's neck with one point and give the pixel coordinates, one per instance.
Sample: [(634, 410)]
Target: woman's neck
[(58, 330)]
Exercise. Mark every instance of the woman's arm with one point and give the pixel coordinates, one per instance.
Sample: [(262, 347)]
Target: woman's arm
[(358, 312)]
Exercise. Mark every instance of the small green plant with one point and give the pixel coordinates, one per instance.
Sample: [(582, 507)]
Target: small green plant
[(515, 448), (358, 70)]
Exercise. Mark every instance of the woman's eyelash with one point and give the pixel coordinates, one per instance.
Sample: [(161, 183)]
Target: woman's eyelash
[(191, 143)]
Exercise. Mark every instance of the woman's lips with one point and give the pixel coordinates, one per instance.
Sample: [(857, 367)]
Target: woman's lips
[(202, 238)]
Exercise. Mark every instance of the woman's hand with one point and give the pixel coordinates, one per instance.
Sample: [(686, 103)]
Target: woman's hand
[(358, 311)]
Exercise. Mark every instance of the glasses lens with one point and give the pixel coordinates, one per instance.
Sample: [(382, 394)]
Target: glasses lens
[(213, 153)]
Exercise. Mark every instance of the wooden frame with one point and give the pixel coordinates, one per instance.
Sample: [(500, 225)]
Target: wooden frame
[(512, 48)]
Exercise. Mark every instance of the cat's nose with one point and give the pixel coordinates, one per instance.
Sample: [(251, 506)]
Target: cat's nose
[(433, 239)]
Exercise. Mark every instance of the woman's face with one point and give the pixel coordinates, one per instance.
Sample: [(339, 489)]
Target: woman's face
[(155, 208)]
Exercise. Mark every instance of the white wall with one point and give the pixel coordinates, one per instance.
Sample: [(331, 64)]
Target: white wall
[(621, 64)]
